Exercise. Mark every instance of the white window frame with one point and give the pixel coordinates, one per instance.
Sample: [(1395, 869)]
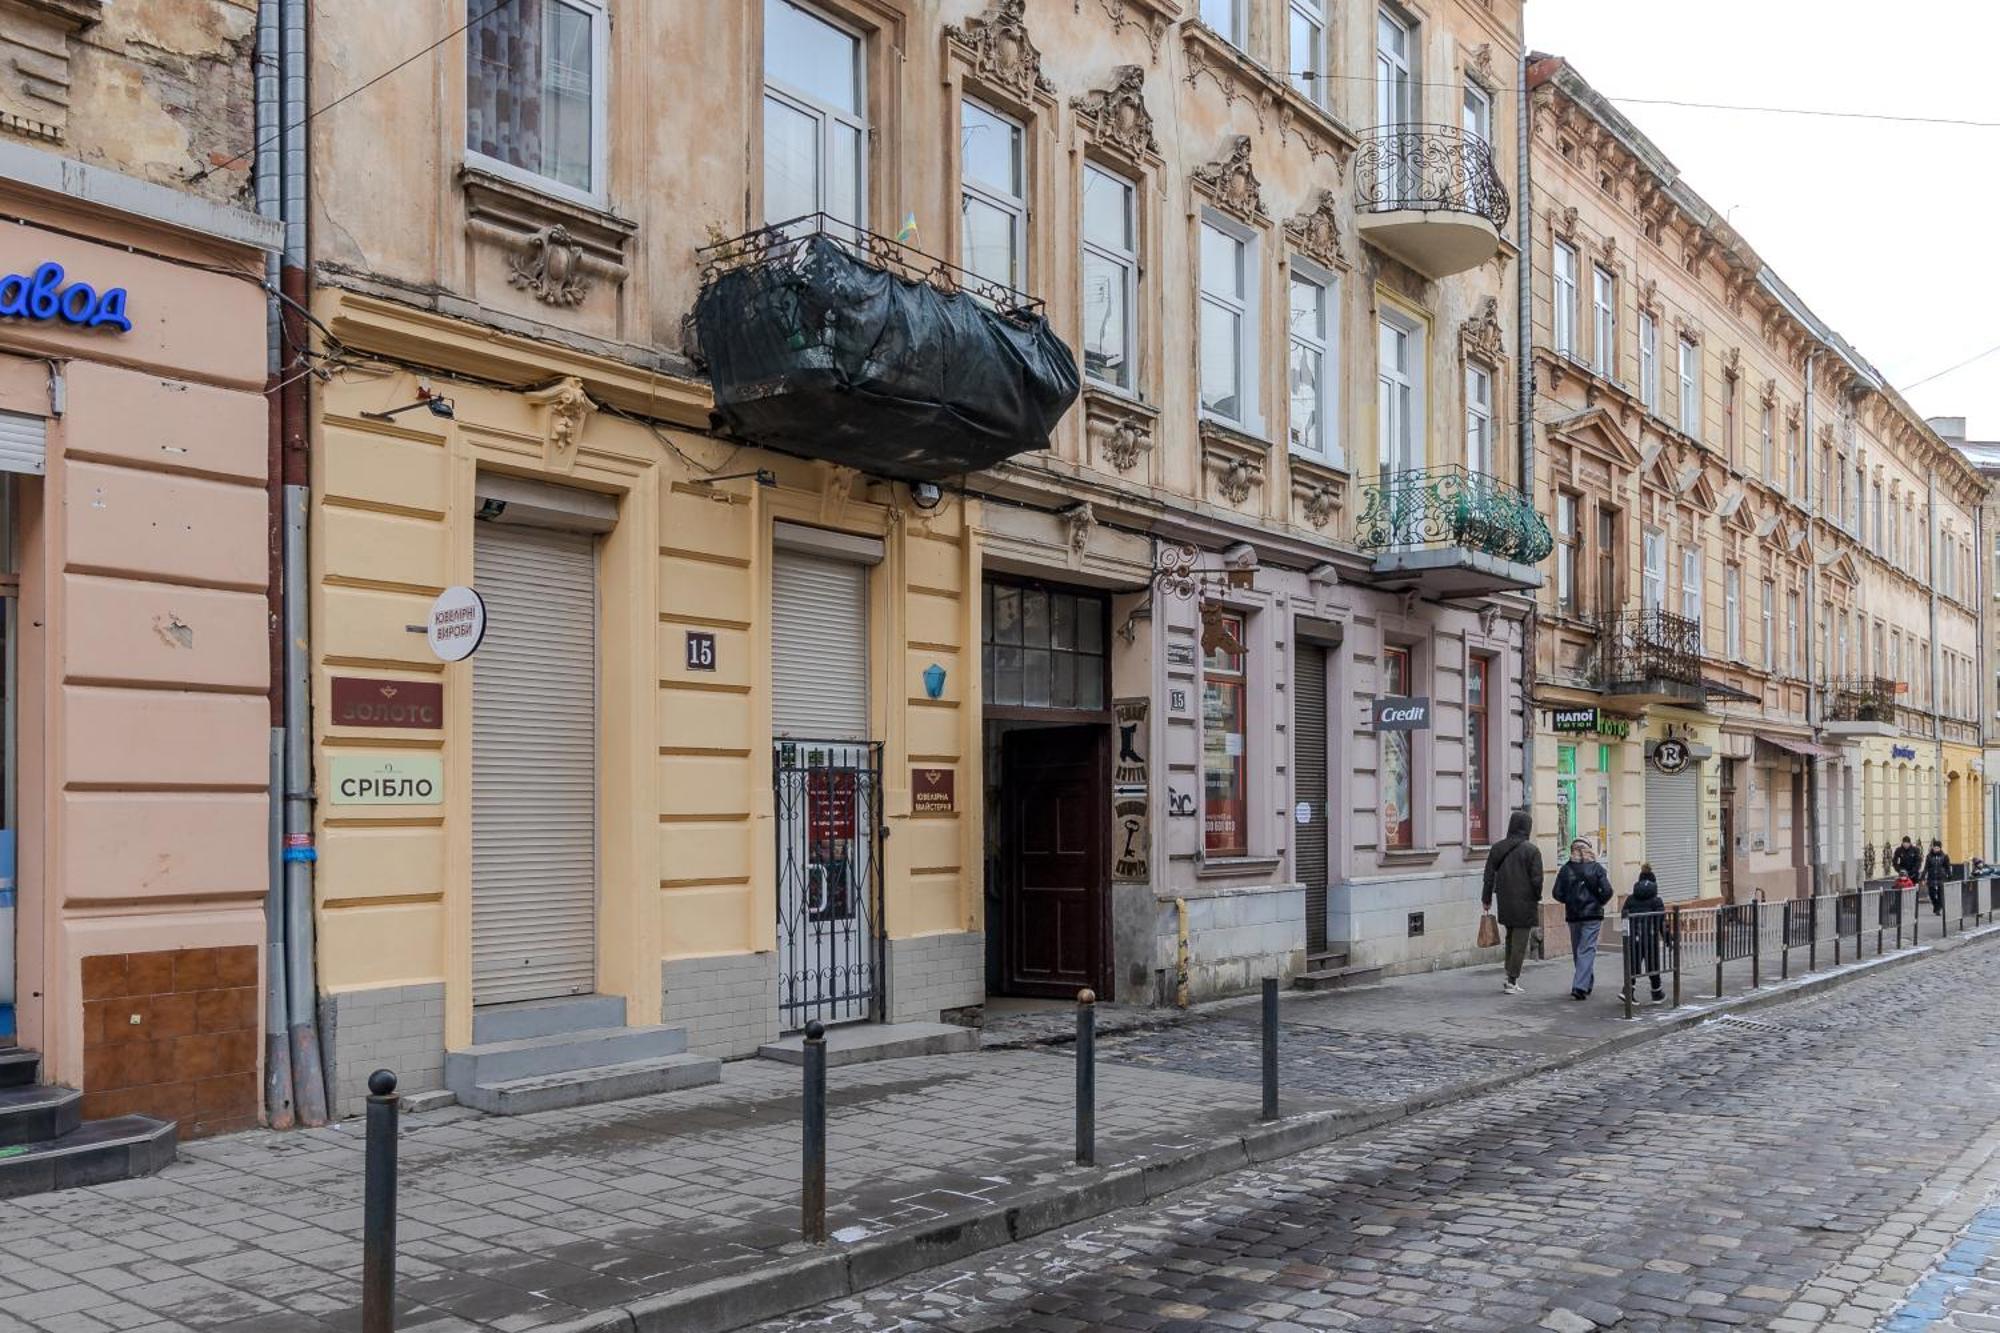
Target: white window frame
[(1479, 418), (1566, 549), (1245, 308), (1766, 437), (1565, 278), (1653, 570), (1415, 456), (1313, 62), (1649, 362), (1014, 206), (828, 117), (1327, 347), (1691, 586), (1688, 371), (599, 194), (1231, 30), (1732, 612), (1791, 633), (1127, 262), (1476, 112), (1604, 321), (1770, 625)]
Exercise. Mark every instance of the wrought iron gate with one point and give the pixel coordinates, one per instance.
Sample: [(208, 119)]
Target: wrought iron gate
[(828, 802)]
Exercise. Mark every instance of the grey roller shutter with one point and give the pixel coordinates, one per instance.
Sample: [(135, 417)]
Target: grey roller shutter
[(1673, 832), (534, 766), (1309, 854), (819, 647), (24, 443)]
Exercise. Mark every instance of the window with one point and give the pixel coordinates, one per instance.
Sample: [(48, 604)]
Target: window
[(1729, 449), (1895, 530), (1399, 401), (1478, 723), (1308, 49), (1225, 807), (1110, 273), (1566, 806), (1690, 376), (1228, 333), (1791, 634), (1565, 313), (1566, 540), (1477, 116), (1608, 598), (1840, 513), (1732, 612), (1895, 655), (1860, 486), (1479, 419), (534, 92), (1691, 586), (1394, 79), (1846, 667), (1881, 647), (1043, 648), (1766, 450), (1875, 503), (1649, 363), (1770, 627), (815, 132), (1604, 322), (1226, 18), (1398, 818), (1794, 466), (993, 203), (1314, 372), (1653, 570)]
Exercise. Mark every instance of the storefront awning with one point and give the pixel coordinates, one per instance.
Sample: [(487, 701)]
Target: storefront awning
[(1801, 749)]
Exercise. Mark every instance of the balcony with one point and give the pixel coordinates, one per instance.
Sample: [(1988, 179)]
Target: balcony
[(1450, 532), (826, 341), (1652, 657), (1863, 707), (1428, 194)]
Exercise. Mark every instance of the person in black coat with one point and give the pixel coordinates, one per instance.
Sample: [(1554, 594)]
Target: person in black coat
[(1514, 879), (1937, 866), (1583, 888), (1908, 861), (1646, 930)]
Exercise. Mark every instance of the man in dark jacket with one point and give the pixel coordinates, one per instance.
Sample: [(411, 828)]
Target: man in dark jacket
[(1583, 889), (1908, 860), (1937, 866), (1646, 930), (1514, 878)]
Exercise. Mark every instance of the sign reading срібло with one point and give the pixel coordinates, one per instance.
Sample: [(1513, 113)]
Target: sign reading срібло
[(406, 779)]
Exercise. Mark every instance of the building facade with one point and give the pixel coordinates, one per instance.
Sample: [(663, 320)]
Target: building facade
[(788, 712), (1757, 660)]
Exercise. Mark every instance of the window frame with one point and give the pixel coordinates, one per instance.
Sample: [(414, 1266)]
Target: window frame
[(1649, 362), (599, 195), (1476, 105), (1236, 36), (1652, 569), (1568, 542), (1238, 679), (1792, 632), (1479, 419), (1603, 321), (1127, 262), (1691, 589), (1016, 208), (1401, 837), (1412, 379), (1313, 14), (1687, 372), (1479, 748), (1732, 611), (1564, 276), (1770, 626), (1247, 315), (1766, 422), (1327, 346), (827, 115)]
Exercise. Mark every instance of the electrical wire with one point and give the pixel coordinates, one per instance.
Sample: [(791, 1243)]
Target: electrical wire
[(1905, 388)]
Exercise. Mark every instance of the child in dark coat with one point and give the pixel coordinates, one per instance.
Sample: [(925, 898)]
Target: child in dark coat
[(1646, 930)]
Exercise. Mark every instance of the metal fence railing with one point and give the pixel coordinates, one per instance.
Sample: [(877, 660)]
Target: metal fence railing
[(1689, 953)]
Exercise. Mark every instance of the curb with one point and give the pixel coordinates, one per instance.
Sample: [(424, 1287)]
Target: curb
[(777, 1289)]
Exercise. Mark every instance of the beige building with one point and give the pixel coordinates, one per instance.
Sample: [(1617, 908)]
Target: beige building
[(1759, 652)]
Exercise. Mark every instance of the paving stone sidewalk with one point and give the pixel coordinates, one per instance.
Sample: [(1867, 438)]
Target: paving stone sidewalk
[(531, 1221)]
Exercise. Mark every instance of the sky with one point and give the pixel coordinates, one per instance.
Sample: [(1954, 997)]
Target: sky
[(1890, 232)]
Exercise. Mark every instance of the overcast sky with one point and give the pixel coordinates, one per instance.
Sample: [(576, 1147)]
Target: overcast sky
[(1890, 232)]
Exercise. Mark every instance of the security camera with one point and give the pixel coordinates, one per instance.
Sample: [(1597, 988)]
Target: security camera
[(925, 495)]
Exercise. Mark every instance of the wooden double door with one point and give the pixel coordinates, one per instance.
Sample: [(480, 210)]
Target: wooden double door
[(1055, 810)]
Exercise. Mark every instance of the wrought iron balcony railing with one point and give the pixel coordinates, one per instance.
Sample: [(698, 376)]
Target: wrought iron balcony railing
[(1643, 646), (1451, 506), (1428, 169), (791, 242), (1870, 699)]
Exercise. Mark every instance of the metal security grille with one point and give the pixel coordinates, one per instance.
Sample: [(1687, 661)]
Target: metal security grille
[(23, 443), (1309, 782), (829, 816), (819, 646), (534, 766), (1673, 833)]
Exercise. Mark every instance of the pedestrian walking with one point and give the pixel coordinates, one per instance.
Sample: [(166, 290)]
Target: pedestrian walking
[(1937, 866), (1646, 930), (1909, 861), (1513, 880), (1583, 888)]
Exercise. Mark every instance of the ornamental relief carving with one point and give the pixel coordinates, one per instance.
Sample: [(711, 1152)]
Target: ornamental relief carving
[(1315, 233), (1232, 182), (1482, 336), (569, 407), (1118, 437), (1153, 26), (1116, 117), (1002, 53), (549, 264)]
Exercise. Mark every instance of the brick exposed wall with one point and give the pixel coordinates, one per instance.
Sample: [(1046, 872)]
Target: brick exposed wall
[(173, 1034)]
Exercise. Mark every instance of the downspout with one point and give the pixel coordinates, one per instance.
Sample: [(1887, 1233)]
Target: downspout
[(1936, 703), (1524, 407), (308, 1074), (1981, 711), (1813, 849), (277, 1051)]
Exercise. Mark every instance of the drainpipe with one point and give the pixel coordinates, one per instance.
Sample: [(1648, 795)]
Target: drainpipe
[(1936, 702), (1524, 407), (1812, 610), (1980, 709), (308, 1075), (267, 170)]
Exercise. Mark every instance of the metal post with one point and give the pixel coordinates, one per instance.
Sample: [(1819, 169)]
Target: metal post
[(1756, 943), (1270, 1048), (812, 1183), (1086, 1078), (1916, 913), (1812, 933), (1785, 946), (1715, 915), (1625, 986), (1860, 941), (1899, 914), (1676, 942), (378, 1208)]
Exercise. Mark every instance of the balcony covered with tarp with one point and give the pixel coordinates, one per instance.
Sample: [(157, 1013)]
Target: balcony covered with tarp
[(1451, 532), (829, 342)]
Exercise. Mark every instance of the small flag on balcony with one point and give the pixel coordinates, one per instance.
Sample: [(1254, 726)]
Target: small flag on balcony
[(908, 234)]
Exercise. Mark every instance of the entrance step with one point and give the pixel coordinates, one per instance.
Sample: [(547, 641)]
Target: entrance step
[(600, 1083), (1337, 978), (546, 1018), (35, 1115), (97, 1153), (18, 1067), (1324, 962), (859, 1043)]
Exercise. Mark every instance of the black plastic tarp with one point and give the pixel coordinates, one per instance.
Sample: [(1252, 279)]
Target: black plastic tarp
[(817, 352)]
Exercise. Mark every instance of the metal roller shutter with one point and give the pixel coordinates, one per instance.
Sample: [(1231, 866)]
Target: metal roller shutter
[(24, 443), (819, 647), (1309, 856), (1673, 831), (534, 766)]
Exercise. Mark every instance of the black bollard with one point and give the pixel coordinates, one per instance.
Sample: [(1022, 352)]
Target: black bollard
[(812, 1182), (1756, 943), (1270, 1048), (378, 1208), (1086, 1078), (1676, 943), (1785, 945)]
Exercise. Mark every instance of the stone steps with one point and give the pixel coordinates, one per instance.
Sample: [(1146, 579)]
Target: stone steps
[(543, 1055), (45, 1143)]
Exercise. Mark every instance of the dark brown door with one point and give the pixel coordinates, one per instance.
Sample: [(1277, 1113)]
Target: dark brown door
[(1056, 813), (1728, 831)]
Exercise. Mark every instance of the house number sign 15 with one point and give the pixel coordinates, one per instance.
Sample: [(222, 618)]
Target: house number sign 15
[(700, 650)]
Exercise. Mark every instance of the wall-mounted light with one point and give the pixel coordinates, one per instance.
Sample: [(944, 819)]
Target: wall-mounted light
[(925, 495), (439, 407), (764, 476)]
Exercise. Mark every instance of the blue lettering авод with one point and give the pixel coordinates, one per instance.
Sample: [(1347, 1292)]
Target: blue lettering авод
[(42, 295)]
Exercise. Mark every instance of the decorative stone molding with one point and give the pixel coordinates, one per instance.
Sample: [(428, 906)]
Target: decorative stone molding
[(1151, 17), (1116, 117), (554, 248), (1481, 336), (568, 408), (35, 80), (1649, 294), (1769, 396), (1117, 430), (1319, 489), (1315, 233), (1732, 364), (1232, 183), (1001, 52), (1239, 78), (1563, 220), (1081, 522), (1235, 460), (1489, 616), (1479, 63)]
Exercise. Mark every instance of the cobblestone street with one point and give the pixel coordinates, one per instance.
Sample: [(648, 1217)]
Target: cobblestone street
[(1830, 1162)]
